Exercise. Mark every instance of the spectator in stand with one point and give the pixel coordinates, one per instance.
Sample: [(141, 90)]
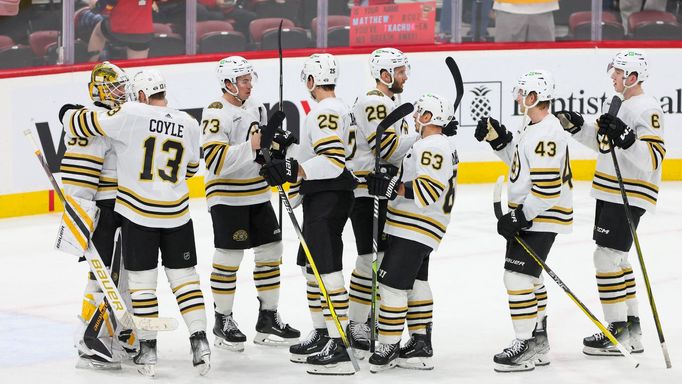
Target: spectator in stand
[(628, 7), (127, 23), (231, 9), (526, 20)]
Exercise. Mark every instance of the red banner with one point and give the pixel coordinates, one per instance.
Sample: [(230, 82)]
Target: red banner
[(394, 24)]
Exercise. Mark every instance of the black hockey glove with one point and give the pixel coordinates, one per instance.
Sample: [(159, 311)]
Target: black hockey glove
[(511, 223), (67, 107), (383, 185), (616, 130), (283, 139), (451, 128), (571, 121), (493, 132), (278, 172)]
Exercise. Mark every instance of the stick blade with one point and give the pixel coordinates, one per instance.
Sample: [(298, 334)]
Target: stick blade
[(457, 77), (269, 130)]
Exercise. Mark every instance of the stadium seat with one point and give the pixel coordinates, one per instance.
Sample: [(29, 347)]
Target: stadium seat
[(166, 45), (216, 42), (338, 36), (211, 26), (5, 42), (292, 38), (162, 29), (580, 26), (17, 56), (40, 40), (9, 7), (290, 9), (332, 21), (654, 25), (259, 26)]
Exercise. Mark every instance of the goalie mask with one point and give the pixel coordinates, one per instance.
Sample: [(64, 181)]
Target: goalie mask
[(324, 69), (387, 59), (630, 61), (150, 82), (230, 68), (108, 84), (539, 81), (441, 111)]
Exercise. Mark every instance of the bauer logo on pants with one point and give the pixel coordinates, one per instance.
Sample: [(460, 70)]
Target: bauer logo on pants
[(481, 99)]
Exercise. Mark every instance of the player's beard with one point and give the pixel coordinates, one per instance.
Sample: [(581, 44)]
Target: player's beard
[(396, 88)]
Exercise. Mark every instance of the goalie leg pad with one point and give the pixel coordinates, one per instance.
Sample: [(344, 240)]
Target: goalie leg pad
[(224, 278), (266, 274), (523, 305), (142, 287), (185, 285), (611, 283), (78, 223)]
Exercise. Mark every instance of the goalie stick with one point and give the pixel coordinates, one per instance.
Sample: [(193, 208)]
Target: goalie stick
[(613, 111), (393, 117), (97, 267), (268, 134), (497, 206)]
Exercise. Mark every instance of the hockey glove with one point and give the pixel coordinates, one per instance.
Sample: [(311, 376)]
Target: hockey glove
[(278, 172), (382, 185), (511, 223), (571, 121), (493, 132), (451, 128), (67, 107), (283, 139), (616, 130)]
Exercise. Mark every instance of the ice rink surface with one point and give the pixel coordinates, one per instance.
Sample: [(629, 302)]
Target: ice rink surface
[(42, 290)]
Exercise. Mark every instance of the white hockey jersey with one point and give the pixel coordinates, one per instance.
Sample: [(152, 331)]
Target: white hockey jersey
[(368, 111), (540, 175), (232, 174), (323, 149), (640, 165), (430, 171), (157, 149), (89, 166)]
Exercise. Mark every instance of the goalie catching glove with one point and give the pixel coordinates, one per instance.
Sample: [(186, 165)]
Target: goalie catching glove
[(493, 132)]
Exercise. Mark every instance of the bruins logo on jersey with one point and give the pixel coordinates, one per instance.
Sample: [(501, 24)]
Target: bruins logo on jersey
[(604, 146), (240, 235), (515, 167), (215, 105)]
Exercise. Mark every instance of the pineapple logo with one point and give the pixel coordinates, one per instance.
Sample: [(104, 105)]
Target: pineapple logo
[(480, 105)]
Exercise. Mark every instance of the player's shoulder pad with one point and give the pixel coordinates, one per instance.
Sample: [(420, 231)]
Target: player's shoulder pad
[(215, 105), (375, 92)]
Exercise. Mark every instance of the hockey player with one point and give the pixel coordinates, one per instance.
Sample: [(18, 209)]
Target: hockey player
[(541, 204), (89, 175), (390, 68), (319, 172), (239, 201), (418, 215), (637, 132), (157, 149)]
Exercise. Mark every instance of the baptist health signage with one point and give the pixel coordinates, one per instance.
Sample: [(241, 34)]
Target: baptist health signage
[(489, 77)]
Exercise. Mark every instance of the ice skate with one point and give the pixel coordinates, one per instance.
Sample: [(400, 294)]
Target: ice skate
[(332, 360), (271, 330), (635, 330), (418, 352), (227, 333), (201, 352), (541, 345), (317, 339), (146, 358), (600, 345), (358, 336), (518, 357), (385, 357)]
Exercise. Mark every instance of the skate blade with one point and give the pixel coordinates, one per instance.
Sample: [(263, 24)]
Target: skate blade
[(339, 369), (541, 360), (361, 354), (419, 363), (590, 351), (204, 366), (636, 347), (224, 344), (378, 368), (83, 363), (298, 359), (147, 370), (523, 367), (273, 340)]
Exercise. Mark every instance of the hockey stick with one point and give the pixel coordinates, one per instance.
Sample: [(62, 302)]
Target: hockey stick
[(497, 206), (112, 295), (266, 140), (613, 110), (395, 115), (281, 95), (459, 86)]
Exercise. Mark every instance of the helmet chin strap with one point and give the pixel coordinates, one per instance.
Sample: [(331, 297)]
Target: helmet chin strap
[(525, 112), (385, 83), (234, 94)]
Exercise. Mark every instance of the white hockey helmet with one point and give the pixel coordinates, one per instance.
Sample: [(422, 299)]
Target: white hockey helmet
[(539, 81), (149, 81), (108, 84), (441, 109), (387, 59), (630, 61), (230, 68), (323, 67)]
